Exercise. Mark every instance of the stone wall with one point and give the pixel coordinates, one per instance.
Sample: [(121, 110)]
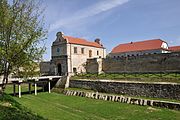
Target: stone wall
[(124, 99), (156, 90), (94, 65), (169, 62), (47, 68)]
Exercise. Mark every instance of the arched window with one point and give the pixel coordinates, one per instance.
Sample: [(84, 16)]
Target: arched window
[(74, 70)]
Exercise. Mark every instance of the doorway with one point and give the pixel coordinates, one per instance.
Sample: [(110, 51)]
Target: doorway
[(74, 70), (59, 69)]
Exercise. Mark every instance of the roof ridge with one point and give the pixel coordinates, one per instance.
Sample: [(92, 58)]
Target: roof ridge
[(144, 41), (138, 46), (175, 46), (80, 39)]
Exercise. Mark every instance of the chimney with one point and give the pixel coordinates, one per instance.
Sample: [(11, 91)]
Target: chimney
[(97, 40)]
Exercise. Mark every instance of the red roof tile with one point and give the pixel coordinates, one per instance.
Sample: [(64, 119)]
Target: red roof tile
[(174, 48), (80, 41), (138, 46)]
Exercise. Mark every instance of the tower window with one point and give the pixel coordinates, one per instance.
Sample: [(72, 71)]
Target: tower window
[(58, 50)]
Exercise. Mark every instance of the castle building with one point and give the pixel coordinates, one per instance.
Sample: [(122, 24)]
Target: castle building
[(174, 48), (69, 55), (154, 46)]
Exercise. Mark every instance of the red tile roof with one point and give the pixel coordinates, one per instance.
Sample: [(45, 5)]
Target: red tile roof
[(138, 46), (80, 41), (174, 48)]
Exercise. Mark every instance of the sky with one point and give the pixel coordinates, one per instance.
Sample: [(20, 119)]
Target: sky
[(113, 21)]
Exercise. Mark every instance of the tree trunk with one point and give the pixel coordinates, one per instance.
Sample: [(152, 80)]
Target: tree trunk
[(1, 91), (5, 78), (4, 83)]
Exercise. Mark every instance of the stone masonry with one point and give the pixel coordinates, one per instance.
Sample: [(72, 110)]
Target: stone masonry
[(155, 90), (124, 99), (169, 62)]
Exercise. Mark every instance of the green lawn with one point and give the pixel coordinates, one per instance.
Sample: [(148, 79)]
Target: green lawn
[(60, 107), (12, 110), (147, 77), (54, 106), (24, 88)]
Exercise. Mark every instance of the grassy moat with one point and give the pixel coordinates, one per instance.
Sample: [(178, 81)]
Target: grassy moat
[(54, 106)]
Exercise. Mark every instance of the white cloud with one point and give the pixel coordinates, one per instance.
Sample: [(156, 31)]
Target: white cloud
[(95, 9)]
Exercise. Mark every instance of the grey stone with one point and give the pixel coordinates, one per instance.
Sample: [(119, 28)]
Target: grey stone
[(145, 102), (151, 102), (129, 100)]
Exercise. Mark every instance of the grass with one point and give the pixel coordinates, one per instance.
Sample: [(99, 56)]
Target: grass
[(24, 88), (55, 106), (156, 77), (60, 107), (12, 110)]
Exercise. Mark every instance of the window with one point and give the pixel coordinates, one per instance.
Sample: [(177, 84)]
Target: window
[(75, 49), (82, 50), (58, 50), (97, 52), (90, 53)]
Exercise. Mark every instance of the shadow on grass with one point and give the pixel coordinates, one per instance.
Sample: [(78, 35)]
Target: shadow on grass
[(42, 87), (12, 110)]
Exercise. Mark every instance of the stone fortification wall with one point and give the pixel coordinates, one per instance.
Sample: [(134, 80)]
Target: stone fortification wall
[(124, 99), (169, 62), (156, 90), (47, 68), (94, 65)]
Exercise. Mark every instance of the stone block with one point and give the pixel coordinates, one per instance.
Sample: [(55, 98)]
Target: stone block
[(145, 102), (151, 102), (129, 100)]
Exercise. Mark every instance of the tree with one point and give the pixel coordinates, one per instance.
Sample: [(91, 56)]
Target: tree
[(27, 70), (22, 31)]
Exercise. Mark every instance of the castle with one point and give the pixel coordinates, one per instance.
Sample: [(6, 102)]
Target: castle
[(70, 55)]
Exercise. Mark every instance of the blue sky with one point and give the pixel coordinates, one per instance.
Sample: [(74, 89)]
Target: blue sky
[(113, 21)]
